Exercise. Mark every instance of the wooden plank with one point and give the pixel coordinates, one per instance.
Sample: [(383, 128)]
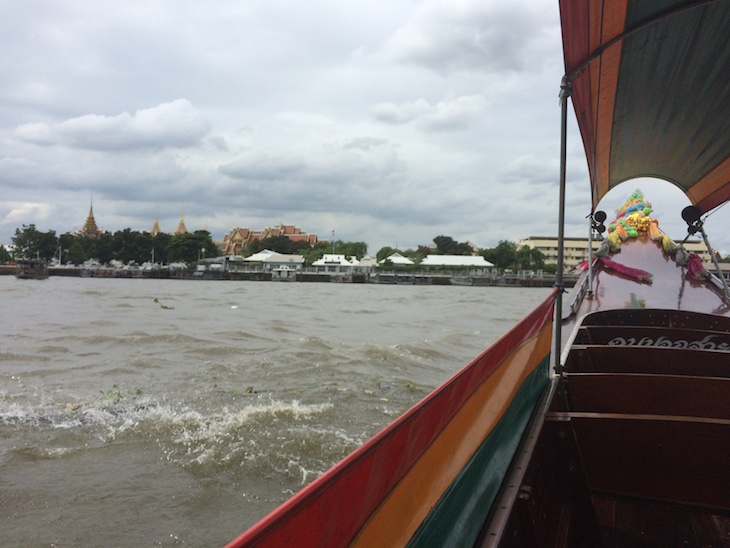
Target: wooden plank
[(631, 522), (659, 318), (654, 336), (655, 458), (662, 524), (647, 360), (649, 394)]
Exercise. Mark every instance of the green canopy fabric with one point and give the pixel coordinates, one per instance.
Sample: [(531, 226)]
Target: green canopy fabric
[(651, 91)]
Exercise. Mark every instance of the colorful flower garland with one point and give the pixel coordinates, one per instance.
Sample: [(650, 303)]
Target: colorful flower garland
[(634, 217)]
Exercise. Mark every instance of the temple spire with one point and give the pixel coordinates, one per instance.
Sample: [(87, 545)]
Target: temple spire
[(90, 230), (156, 227), (181, 226)]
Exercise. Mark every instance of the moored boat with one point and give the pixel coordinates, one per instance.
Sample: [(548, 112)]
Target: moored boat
[(605, 423), (31, 269)]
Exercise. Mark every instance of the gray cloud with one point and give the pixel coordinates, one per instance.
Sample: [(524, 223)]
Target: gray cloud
[(469, 36), (264, 168), (452, 114), (176, 124)]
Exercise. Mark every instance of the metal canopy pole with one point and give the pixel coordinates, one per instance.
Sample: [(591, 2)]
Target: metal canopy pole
[(565, 91), (590, 255), (714, 261), (692, 216)]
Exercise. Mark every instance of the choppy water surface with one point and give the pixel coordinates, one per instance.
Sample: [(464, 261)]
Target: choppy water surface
[(132, 422)]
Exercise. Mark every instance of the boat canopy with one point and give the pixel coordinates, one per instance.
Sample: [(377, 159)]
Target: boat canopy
[(650, 86)]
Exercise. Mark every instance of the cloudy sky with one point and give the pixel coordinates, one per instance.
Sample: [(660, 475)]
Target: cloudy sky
[(388, 121)]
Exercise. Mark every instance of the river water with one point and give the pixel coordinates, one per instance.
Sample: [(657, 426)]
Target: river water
[(174, 412)]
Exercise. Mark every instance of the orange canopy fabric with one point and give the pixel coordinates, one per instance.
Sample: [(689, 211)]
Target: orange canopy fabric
[(651, 91)]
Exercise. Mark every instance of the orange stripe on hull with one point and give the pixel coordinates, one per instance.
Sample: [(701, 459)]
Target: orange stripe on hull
[(400, 515)]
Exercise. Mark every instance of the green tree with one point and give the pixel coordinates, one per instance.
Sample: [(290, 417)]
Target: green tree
[(279, 244), (25, 241), (160, 245), (351, 249), (143, 244), (538, 258), (422, 252), (65, 242), (48, 245), (502, 256), (528, 258), (100, 247), (385, 252), (76, 254), (286, 245), (415, 256), (315, 252), (191, 247), (253, 247), (123, 246), (31, 243), (132, 246), (446, 245), (5, 256)]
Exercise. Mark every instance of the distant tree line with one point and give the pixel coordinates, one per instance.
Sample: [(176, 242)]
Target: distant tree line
[(508, 256), (130, 246), (127, 246), (505, 256), (444, 245), (311, 253)]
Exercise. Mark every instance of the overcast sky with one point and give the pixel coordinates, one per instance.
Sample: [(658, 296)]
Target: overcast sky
[(388, 121)]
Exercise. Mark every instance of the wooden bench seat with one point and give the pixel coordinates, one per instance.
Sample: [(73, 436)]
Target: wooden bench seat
[(677, 460), (647, 360), (641, 394), (653, 336)]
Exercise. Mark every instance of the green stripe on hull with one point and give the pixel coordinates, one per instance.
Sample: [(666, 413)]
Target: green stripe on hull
[(458, 516)]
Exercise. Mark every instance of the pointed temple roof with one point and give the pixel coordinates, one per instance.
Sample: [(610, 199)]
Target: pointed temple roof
[(181, 226), (90, 229), (156, 227)]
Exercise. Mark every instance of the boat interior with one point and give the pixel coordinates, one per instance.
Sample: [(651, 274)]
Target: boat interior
[(630, 445)]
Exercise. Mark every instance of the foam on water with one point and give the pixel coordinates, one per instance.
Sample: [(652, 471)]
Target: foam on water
[(201, 442)]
